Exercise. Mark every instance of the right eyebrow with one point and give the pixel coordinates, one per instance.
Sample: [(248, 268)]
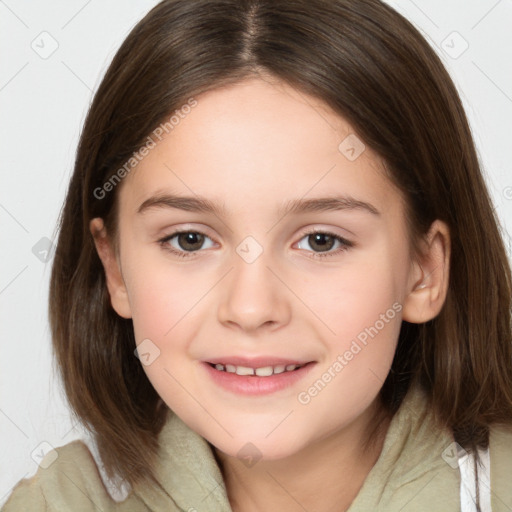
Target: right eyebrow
[(187, 203)]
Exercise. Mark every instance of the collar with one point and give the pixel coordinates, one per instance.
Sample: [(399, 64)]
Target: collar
[(414, 471)]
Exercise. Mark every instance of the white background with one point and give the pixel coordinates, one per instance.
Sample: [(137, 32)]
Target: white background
[(43, 104)]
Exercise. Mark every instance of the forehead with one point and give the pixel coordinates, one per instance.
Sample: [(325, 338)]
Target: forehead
[(257, 144)]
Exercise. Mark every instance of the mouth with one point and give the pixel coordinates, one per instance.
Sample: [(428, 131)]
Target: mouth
[(261, 371), (260, 376)]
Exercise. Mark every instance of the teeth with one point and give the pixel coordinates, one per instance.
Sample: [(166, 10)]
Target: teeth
[(242, 370), (265, 371)]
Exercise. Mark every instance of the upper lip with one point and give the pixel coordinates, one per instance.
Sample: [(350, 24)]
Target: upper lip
[(256, 362)]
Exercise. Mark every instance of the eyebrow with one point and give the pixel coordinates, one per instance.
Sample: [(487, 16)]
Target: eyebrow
[(294, 206)]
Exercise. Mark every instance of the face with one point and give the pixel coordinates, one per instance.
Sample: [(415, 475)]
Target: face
[(252, 285)]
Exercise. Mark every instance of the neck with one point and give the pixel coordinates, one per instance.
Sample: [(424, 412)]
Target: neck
[(325, 476)]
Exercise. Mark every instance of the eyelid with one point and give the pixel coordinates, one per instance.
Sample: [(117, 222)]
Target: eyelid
[(322, 230), (186, 228)]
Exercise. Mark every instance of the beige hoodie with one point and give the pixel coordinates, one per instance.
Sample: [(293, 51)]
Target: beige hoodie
[(416, 472)]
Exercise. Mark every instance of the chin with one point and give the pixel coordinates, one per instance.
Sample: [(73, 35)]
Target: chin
[(251, 450)]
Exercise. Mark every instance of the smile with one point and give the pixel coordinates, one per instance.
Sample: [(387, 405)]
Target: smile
[(264, 371), (257, 379)]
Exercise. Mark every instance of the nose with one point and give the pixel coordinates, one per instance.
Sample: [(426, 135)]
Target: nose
[(252, 297)]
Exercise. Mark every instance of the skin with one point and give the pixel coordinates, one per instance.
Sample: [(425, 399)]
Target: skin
[(252, 146)]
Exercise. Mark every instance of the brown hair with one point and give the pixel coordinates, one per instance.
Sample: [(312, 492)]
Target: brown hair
[(372, 67)]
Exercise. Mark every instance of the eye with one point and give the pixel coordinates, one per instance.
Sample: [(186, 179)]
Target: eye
[(324, 241), (184, 243)]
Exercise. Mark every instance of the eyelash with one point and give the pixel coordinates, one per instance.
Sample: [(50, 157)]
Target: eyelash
[(345, 244)]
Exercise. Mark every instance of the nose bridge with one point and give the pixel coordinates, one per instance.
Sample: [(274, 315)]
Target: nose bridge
[(252, 296)]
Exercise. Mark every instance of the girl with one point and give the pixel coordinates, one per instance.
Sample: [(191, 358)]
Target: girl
[(279, 282)]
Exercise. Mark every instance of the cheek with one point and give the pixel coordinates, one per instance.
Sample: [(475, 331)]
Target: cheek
[(358, 362), (362, 307), (368, 311), (162, 293), (165, 320), (365, 342), (354, 297), (167, 304)]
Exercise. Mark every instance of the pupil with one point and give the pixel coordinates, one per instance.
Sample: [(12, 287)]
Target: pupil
[(317, 240), (188, 241)]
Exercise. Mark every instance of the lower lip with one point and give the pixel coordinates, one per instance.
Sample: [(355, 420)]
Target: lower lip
[(254, 385)]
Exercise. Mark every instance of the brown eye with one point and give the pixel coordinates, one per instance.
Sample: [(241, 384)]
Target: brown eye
[(185, 243), (321, 241), (190, 241)]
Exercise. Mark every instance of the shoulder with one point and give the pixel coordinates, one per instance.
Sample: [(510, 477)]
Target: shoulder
[(67, 479), (500, 451)]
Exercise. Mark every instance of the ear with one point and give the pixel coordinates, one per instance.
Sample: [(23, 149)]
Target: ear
[(114, 278), (430, 276)]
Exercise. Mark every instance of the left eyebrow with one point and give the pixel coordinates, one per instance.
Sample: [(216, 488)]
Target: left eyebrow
[(295, 206), (325, 204)]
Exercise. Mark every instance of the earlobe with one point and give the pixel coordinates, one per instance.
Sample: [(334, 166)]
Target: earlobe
[(115, 282), (429, 277)]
